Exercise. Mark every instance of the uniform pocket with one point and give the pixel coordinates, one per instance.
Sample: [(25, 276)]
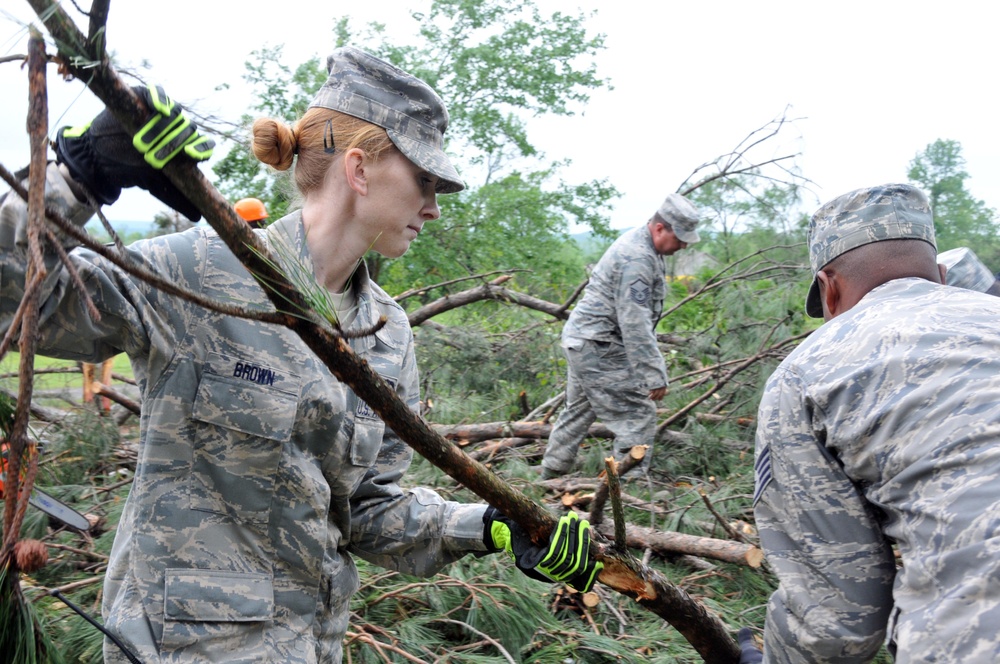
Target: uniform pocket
[(239, 447), (366, 437), (215, 613)]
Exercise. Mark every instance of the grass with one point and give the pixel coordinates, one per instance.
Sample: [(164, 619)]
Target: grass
[(49, 378)]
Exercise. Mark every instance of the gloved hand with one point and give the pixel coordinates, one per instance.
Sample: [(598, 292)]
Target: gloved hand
[(566, 558), (104, 158), (749, 652)]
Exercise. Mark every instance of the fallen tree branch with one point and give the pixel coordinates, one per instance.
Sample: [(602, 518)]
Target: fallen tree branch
[(470, 433), (667, 543), (423, 290), (20, 481), (612, 485), (487, 291), (104, 391)]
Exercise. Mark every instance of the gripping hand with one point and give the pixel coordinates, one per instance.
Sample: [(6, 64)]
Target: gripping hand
[(168, 131), (565, 559), (749, 652), (105, 159)]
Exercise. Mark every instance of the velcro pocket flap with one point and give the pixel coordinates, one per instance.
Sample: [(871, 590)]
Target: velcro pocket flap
[(253, 409), (203, 595)]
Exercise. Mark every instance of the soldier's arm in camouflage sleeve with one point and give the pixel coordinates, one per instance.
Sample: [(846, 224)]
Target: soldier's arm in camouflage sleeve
[(410, 530), (75, 335), (634, 289), (834, 566)]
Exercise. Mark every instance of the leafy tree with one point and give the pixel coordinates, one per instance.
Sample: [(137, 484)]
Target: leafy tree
[(747, 212), (280, 93), (170, 221), (960, 219), (495, 63)]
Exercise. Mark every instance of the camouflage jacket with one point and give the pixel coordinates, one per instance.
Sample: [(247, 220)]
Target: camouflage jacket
[(622, 304), (882, 429), (258, 472)]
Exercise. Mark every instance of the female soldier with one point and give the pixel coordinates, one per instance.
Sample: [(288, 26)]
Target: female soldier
[(259, 473)]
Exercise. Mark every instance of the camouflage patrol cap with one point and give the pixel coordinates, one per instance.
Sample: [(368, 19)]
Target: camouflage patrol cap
[(682, 217), (408, 109), (965, 270), (860, 217)]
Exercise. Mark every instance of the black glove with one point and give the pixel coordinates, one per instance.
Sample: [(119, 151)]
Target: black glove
[(749, 652), (105, 159), (566, 558)]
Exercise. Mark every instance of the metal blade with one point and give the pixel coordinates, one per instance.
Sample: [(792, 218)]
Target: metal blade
[(59, 510)]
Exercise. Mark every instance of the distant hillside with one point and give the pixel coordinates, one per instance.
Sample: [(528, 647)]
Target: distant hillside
[(588, 243), (123, 228)]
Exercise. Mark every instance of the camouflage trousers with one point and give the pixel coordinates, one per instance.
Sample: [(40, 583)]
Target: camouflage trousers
[(600, 385)]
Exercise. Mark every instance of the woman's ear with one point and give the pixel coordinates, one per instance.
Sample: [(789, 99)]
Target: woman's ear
[(355, 166)]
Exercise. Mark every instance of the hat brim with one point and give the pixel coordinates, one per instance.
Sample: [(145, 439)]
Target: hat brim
[(431, 159), (814, 306), (689, 237)]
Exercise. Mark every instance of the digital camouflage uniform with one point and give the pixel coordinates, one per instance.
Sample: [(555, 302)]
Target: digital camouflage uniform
[(611, 351), (886, 420), (882, 428), (965, 270), (258, 472)]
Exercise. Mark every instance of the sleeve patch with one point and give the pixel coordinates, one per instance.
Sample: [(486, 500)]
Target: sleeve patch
[(761, 473), (639, 291)]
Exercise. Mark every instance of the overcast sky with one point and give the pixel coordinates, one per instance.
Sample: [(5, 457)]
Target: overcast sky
[(871, 83)]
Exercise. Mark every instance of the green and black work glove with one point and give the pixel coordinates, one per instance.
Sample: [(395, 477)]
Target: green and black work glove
[(566, 559), (102, 156)]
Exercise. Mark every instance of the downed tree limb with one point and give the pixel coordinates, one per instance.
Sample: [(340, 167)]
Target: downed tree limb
[(40, 413), (703, 630), (522, 432), (487, 452), (473, 433), (100, 389), (488, 291), (22, 457), (668, 543), (715, 418), (423, 290), (612, 483)]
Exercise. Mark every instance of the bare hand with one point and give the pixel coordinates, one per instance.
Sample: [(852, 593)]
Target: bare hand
[(658, 393)]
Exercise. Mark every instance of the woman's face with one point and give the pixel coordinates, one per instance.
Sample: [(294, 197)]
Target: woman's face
[(402, 198)]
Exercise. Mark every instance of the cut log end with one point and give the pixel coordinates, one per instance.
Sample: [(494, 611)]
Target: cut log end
[(754, 557), (638, 452)]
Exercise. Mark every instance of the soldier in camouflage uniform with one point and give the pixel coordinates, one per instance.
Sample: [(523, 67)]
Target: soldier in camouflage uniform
[(965, 270), (880, 429), (616, 371), (260, 474)]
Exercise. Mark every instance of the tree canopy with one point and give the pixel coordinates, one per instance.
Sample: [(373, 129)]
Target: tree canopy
[(496, 64), (960, 219)]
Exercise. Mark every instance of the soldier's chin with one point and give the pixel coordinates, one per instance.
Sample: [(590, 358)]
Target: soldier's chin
[(395, 250)]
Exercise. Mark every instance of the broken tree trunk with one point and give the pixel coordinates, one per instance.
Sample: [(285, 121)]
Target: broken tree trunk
[(703, 630)]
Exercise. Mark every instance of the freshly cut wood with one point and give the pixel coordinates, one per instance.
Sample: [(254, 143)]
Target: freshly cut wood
[(474, 433), (640, 537)]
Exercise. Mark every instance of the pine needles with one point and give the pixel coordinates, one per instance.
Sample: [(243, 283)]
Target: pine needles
[(23, 638)]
